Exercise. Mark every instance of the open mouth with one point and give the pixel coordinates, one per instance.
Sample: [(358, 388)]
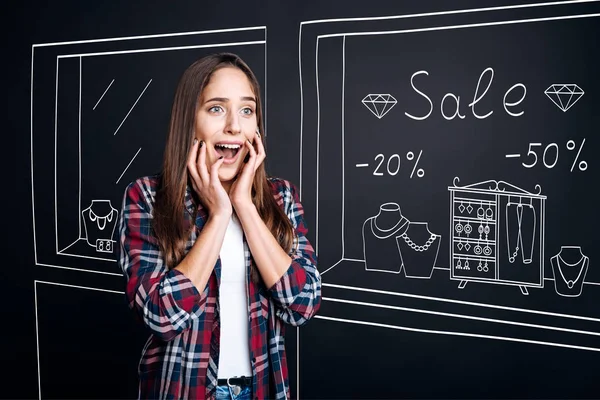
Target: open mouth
[(228, 151)]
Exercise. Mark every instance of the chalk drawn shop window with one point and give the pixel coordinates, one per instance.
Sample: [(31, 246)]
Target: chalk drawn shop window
[(100, 114), (388, 123)]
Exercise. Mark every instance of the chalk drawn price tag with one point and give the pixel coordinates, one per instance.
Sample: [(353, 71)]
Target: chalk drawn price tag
[(104, 245)]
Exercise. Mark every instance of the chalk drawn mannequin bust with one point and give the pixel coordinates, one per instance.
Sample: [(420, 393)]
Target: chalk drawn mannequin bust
[(379, 239), (419, 249), (99, 221), (569, 267)]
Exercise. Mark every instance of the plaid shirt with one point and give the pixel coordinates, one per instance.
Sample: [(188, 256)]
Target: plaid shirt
[(180, 358)]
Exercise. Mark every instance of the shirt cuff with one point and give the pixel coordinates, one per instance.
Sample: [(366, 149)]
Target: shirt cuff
[(290, 284)]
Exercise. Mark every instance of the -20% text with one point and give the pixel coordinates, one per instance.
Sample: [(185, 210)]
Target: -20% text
[(549, 155), (392, 165)]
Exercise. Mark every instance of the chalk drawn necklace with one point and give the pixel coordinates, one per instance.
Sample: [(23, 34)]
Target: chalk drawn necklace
[(570, 283), (415, 246), (101, 221), (385, 233)]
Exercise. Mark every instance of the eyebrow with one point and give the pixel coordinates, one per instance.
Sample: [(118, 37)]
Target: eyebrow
[(225, 99)]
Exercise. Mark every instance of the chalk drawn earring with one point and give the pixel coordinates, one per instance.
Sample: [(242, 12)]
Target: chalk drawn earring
[(489, 213), (480, 212), (459, 245), (485, 267), (477, 249), (479, 267), (470, 208), (461, 208), (467, 265), (487, 250), (459, 228), (468, 229), (467, 246)]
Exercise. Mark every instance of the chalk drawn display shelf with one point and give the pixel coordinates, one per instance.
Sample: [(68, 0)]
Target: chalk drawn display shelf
[(474, 238), (496, 226)]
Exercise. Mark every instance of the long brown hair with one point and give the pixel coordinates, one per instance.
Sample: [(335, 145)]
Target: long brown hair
[(169, 222)]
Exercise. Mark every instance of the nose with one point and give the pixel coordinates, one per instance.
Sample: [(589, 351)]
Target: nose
[(233, 124)]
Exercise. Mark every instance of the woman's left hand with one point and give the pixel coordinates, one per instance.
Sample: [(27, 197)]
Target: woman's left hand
[(240, 193)]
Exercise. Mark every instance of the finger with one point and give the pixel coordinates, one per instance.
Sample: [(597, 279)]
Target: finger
[(247, 169), (260, 146), (214, 171), (260, 153), (201, 164), (252, 153), (191, 162)]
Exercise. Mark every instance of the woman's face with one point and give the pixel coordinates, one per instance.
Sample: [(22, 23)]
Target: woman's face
[(225, 119)]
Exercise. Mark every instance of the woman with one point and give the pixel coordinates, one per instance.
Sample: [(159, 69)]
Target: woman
[(215, 253)]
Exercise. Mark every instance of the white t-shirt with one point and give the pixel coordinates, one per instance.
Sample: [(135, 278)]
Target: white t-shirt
[(234, 357)]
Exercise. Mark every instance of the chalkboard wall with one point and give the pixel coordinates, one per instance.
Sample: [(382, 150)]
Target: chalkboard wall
[(445, 154)]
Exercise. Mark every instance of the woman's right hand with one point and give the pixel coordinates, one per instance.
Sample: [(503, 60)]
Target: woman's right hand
[(206, 183)]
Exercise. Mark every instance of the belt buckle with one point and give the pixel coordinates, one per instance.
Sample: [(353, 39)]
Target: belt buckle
[(234, 388)]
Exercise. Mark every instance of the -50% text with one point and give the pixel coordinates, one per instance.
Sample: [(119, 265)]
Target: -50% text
[(549, 155)]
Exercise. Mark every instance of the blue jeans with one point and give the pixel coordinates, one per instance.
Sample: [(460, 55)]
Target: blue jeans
[(226, 393)]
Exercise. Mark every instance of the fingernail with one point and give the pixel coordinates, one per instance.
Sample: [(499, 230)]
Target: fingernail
[(249, 141), (220, 158), (201, 143), (195, 141)]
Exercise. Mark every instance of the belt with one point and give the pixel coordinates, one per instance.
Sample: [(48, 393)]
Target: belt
[(236, 381)]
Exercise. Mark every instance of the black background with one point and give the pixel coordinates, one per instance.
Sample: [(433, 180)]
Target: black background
[(90, 342)]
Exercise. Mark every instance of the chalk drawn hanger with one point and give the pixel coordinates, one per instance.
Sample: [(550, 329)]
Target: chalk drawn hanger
[(500, 187)]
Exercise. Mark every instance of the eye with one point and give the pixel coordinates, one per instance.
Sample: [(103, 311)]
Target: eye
[(247, 111), (215, 109)]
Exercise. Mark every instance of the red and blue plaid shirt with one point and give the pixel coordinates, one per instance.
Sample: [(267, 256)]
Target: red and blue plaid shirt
[(180, 358)]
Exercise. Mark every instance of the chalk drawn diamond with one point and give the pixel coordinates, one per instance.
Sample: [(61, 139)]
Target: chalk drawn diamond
[(564, 95), (379, 104)]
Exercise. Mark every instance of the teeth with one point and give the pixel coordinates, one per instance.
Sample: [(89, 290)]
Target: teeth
[(228, 146)]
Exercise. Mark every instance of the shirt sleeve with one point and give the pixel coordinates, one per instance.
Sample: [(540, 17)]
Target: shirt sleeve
[(165, 300), (297, 294)]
